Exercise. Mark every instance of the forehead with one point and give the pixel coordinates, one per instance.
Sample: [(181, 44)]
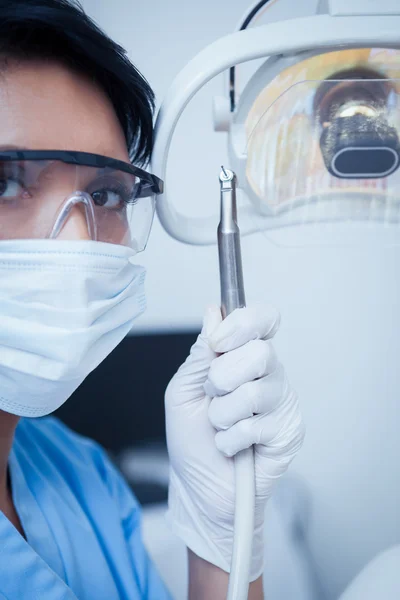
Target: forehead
[(45, 105)]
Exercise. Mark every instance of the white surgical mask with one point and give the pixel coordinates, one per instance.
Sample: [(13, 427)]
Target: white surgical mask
[(64, 306)]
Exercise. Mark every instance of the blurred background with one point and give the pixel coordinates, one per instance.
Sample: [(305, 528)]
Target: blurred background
[(339, 340)]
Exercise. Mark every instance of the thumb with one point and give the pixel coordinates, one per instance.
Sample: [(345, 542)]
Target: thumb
[(201, 354), (212, 319), (187, 384)]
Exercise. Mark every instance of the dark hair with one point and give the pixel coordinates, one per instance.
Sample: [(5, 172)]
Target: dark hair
[(60, 30)]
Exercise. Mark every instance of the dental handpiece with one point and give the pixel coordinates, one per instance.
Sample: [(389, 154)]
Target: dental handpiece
[(232, 297)]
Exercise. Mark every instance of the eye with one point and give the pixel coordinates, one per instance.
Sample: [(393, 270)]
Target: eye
[(10, 188), (112, 193), (108, 198)]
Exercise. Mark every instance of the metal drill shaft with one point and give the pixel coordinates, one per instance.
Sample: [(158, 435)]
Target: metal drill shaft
[(230, 259)]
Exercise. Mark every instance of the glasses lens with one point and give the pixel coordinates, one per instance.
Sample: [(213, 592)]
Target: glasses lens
[(34, 192)]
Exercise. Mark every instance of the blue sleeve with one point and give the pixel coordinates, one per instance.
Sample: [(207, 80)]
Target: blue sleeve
[(129, 508)]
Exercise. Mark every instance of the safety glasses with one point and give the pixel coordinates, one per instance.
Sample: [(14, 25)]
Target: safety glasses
[(41, 189)]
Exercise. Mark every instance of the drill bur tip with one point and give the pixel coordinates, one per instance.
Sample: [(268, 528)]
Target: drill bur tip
[(226, 175)]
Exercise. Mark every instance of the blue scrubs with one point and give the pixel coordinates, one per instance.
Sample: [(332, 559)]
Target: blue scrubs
[(81, 521)]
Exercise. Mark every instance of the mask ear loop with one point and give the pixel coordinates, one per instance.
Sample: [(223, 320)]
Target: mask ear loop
[(73, 200)]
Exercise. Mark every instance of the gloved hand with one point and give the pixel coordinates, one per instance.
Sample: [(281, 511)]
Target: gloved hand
[(229, 394)]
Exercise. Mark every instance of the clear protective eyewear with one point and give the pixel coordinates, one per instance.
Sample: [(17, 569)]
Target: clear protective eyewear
[(39, 189)]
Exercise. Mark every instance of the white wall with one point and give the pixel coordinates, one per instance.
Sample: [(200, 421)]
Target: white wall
[(341, 313)]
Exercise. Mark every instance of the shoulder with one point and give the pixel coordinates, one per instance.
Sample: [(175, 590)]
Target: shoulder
[(65, 448), (81, 463)]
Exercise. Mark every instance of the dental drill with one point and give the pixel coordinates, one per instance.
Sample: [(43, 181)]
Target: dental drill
[(232, 297)]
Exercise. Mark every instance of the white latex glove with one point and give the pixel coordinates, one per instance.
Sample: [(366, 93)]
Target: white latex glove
[(230, 393)]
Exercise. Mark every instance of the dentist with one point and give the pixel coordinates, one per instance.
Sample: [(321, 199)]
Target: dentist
[(76, 206)]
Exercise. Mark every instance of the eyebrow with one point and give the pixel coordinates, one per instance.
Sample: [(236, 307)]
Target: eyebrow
[(5, 147)]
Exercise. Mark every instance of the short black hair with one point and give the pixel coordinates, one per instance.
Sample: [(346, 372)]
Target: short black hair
[(61, 30)]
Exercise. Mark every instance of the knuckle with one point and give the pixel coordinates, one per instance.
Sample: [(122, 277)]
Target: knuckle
[(251, 392), (271, 357), (243, 428), (215, 415), (268, 396), (273, 316), (265, 347), (275, 382), (257, 352), (216, 377), (220, 444), (263, 351), (270, 351)]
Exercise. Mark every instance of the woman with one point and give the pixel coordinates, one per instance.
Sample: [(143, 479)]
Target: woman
[(75, 116)]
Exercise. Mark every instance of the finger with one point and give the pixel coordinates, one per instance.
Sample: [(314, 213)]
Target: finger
[(252, 398), (291, 429), (201, 355), (278, 435), (259, 429), (231, 370), (212, 320), (188, 382), (257, 322)]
